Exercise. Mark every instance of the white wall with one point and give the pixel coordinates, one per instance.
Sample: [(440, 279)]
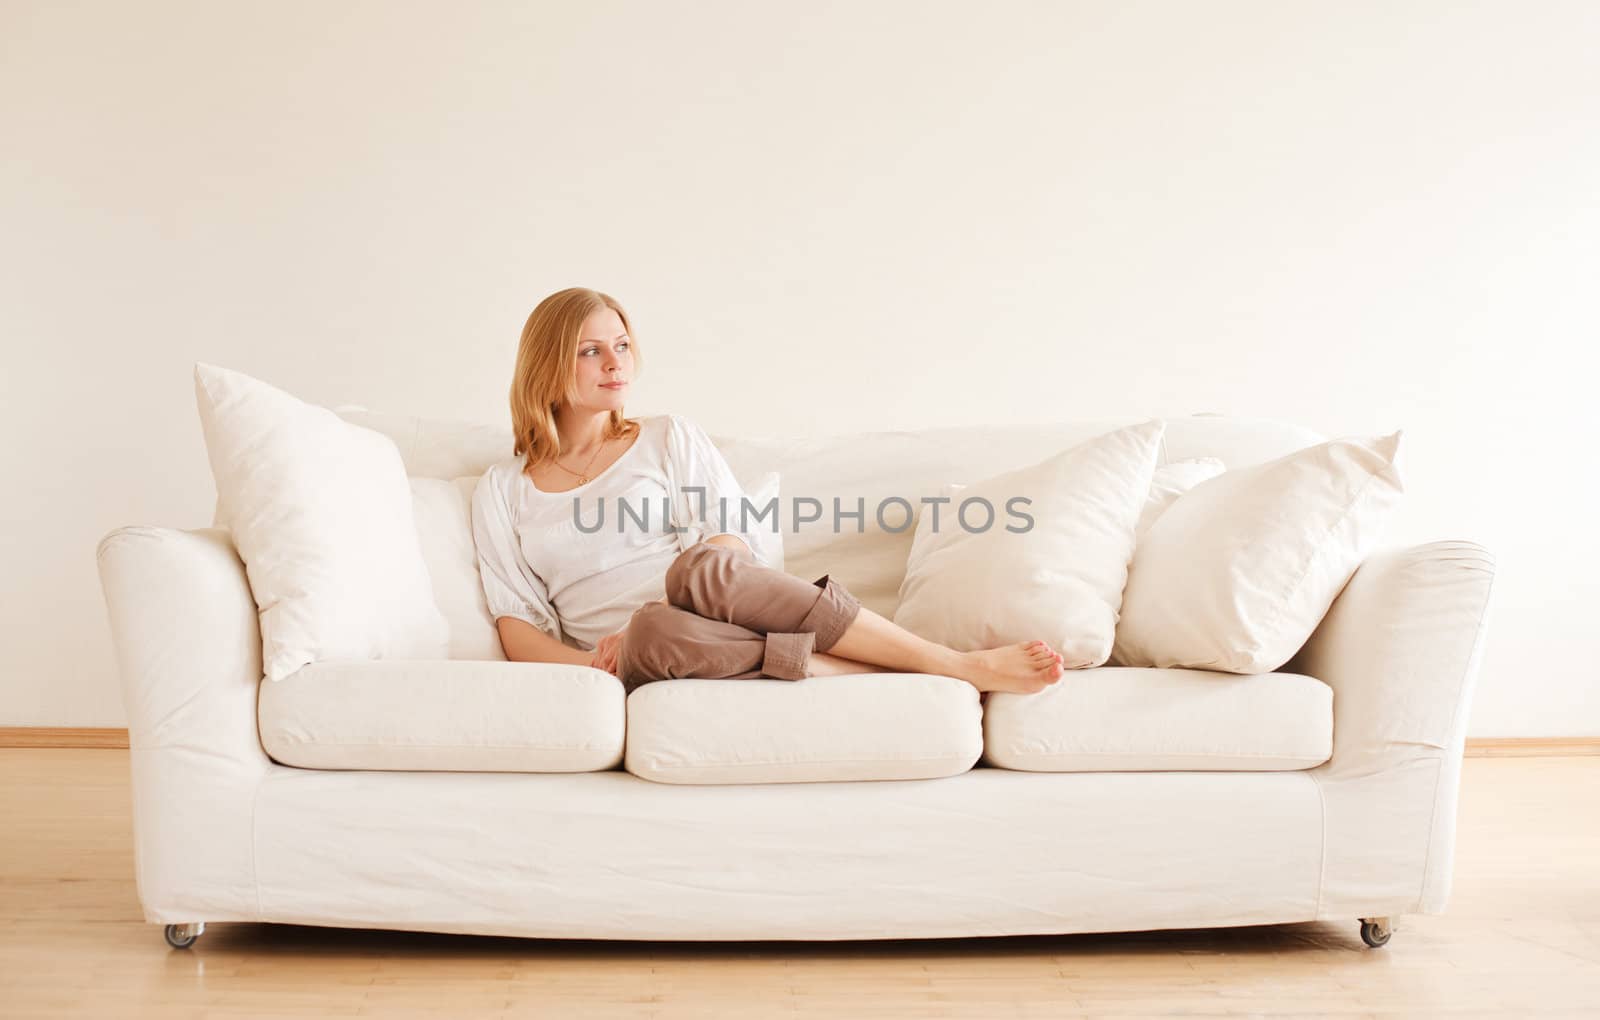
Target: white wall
[(1359, 216)]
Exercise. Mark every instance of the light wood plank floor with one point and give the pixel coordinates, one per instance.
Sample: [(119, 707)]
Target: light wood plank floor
[(1521, 938)]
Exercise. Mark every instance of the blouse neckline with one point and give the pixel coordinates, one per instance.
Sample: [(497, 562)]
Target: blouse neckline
[(522, 469)]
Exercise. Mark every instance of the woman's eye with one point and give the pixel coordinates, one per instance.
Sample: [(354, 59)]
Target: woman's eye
[(624, 344)]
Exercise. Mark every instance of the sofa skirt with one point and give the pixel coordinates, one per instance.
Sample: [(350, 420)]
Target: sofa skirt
[(609, 855)]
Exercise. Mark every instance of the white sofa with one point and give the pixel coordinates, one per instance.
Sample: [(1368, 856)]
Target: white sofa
[(478, 795)]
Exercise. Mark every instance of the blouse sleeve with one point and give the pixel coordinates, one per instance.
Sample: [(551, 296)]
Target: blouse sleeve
[(510, 586), (698, 465)]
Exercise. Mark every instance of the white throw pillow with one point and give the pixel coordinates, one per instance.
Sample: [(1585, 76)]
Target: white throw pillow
[(1060, 579), (1169, 482), (1237, 574), (321, 515)]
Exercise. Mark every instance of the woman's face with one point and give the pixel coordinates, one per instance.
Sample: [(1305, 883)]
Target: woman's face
[(605, 360)]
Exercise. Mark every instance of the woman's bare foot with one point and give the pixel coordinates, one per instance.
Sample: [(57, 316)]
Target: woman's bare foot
[(1025, 668)]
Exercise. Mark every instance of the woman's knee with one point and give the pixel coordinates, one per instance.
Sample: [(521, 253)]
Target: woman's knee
[(648, 635), (692, 569)]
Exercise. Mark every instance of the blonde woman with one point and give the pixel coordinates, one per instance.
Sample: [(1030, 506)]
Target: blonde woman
[(661, 598)]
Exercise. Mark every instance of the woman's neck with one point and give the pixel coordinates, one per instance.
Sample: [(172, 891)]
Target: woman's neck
[(581, 432)]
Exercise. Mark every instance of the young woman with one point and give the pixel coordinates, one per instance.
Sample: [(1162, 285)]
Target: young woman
[(658, 599)]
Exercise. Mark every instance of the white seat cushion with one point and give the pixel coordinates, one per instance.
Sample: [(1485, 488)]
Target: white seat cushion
[(1118, 719), (818, 729), (444, 716)]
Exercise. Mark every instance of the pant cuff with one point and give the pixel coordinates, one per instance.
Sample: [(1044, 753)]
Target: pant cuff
[(833, 614), (787, 656)]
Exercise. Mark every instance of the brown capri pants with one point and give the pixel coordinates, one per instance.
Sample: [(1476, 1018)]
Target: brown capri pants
[(729, 617)]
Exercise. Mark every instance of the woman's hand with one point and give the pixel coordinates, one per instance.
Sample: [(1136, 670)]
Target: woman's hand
[(605, 653)]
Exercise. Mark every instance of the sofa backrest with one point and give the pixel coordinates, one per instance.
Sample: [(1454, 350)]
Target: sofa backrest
[(445, 459), (871, 467)]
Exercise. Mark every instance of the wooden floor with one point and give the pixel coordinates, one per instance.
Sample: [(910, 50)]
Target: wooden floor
[(1521, 938)]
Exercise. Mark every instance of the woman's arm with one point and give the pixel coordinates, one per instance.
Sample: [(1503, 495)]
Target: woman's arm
[(523, 642), (709, 505)]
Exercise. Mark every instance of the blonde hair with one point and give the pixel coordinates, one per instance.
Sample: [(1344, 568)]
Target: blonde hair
[(546, 371)]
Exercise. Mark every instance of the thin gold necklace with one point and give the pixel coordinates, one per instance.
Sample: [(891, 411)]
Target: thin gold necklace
[(583, 479)]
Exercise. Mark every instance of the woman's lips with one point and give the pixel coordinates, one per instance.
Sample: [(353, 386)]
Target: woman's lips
[(612, 385)]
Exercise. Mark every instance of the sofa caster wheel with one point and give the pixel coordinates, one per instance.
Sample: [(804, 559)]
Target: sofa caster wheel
[(1375, 931), (182, 936)]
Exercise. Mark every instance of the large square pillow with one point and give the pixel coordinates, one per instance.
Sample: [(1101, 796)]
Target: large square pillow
[(321, 515), (1236, 574), (1059, 578)]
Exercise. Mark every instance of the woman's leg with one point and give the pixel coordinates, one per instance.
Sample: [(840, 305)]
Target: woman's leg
[(662, 642), (723, 583), (1023, 668), (824, 664)]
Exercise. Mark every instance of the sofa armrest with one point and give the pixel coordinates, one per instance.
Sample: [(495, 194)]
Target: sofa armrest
[(188, 640), (188, 646), (1400, 647)]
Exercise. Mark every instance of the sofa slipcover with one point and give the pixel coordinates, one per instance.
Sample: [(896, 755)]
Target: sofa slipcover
[(819, 729), (224, 833), (609, 855), (1123, 719)]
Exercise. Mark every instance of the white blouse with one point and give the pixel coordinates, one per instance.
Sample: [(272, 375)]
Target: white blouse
[(539, 566)]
